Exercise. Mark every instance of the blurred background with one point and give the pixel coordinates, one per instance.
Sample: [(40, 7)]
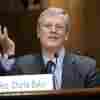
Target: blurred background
[(20, 16)]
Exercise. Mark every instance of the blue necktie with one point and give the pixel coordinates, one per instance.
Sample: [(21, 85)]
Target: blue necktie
[(51, 66)]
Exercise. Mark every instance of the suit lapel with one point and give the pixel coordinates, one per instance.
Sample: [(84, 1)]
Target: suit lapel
[(40, 64), (71, 77), (67, 73)]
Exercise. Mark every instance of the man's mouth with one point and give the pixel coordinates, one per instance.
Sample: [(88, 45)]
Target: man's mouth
[(53, 37)]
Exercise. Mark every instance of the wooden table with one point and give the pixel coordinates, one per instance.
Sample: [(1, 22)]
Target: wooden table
[(67, 92)]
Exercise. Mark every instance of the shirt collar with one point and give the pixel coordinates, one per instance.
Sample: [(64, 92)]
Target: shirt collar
[(61, 54)]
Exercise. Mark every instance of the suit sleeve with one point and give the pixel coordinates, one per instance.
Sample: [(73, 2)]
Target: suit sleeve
[(7, 65)]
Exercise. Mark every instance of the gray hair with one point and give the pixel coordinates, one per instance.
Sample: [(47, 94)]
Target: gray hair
[(53, 11)]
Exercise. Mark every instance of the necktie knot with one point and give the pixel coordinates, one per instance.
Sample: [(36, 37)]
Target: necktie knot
[(51, 67)]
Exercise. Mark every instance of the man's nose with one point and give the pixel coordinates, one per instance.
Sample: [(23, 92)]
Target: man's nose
[(53, 29)]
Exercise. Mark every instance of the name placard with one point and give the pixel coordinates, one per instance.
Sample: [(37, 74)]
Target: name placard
[(22, 83)]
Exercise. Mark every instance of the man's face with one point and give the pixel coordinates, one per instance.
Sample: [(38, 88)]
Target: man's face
[(52, 32)]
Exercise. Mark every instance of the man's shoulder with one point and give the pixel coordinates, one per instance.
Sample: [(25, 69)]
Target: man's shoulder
[(28, 58), (80, 59), (84, 64)]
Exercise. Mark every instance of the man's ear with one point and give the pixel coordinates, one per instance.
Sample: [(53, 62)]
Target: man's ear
[(67, 36)]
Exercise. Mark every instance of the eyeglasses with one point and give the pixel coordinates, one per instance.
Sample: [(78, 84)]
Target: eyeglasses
[(56, 27)]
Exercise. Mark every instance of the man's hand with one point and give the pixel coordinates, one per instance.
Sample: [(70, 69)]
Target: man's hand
[(7, 44)]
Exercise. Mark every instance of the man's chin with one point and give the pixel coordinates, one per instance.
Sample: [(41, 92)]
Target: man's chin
[(52, 46)]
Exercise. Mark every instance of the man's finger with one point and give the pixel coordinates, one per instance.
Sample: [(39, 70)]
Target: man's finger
[(5, 31), (0, 29)]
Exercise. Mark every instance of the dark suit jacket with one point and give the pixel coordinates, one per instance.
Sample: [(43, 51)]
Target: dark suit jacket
[(78, 71)]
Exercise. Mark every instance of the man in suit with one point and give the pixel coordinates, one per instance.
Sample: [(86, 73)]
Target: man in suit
[(70, 70)]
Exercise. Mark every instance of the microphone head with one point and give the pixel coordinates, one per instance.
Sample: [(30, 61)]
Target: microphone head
[(56, 55)]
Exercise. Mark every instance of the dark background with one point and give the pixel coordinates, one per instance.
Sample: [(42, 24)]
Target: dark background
[(21, 25)]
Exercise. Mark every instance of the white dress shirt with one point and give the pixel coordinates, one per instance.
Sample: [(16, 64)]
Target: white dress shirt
[(59, 65)]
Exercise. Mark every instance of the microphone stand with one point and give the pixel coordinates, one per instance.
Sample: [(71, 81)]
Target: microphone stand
[(54, 77)]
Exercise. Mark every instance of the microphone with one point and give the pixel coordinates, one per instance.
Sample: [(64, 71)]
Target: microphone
[(54, 76), (56, 56)]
